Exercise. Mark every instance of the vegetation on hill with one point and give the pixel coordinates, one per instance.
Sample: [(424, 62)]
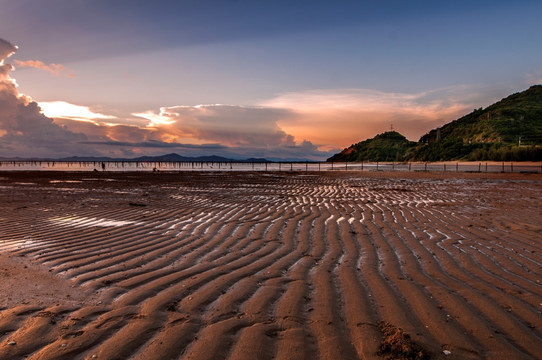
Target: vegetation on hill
[(388, 146), (509, 130)]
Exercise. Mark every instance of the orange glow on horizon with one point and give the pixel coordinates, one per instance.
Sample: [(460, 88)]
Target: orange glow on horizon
[(335, 119)]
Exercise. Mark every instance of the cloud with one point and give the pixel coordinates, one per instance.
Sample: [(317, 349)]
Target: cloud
[(56, 69), (59, 128), (253, 131), (62, 109), (226, 124), (6, 50), (340, 117), (297, 125), (24, 130)]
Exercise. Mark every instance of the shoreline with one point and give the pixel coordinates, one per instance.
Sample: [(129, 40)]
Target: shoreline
[(167, 166)]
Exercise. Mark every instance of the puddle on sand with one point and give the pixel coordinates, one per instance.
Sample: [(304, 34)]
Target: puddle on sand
[(77, 221), (65, 181)]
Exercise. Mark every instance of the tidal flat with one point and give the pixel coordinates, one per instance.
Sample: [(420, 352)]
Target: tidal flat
[(279, 265)]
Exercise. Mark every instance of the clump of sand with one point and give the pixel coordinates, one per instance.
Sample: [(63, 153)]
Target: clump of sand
[(397, 345)]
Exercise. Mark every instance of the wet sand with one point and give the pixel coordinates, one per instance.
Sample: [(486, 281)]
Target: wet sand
[(270, 265)]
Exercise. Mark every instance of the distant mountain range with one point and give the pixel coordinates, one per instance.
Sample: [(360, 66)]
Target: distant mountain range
[(509, 130), (167, 157)]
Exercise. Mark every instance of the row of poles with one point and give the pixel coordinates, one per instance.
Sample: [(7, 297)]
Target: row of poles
[(157, 165)]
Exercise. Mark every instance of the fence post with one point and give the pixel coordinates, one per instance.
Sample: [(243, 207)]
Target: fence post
[(361, 164), (511, 167), (479, 167), (377, 166), (503, 166)]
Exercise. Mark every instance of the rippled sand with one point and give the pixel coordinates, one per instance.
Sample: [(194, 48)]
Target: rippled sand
[(269, 265)]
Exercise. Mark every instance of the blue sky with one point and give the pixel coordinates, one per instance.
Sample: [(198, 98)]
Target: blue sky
[(276, 79)]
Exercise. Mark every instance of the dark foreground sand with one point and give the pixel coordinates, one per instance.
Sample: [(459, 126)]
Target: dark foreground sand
[(270, 265)]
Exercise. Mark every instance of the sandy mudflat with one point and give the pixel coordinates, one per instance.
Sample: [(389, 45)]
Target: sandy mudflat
[(270, 265)]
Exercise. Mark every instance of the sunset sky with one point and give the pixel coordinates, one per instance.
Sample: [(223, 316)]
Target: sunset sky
[(248, 78)]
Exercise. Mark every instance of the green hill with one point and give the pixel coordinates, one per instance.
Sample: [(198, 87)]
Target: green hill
[(510, 129), (388, 146)]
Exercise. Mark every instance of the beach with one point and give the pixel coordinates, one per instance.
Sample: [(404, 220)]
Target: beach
[(270, 265)]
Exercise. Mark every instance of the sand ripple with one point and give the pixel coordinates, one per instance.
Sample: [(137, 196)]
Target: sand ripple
[(269, 266)]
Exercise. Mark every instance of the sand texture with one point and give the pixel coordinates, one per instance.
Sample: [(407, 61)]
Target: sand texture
[(225, 265)]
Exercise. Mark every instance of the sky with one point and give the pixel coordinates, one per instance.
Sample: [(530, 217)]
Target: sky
[(248, 78)]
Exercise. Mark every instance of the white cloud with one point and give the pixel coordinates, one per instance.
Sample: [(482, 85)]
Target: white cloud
[(156, 120), (62, 109)]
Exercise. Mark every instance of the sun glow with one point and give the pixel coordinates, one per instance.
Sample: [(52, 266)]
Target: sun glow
[(155, 119), (62, 109)]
